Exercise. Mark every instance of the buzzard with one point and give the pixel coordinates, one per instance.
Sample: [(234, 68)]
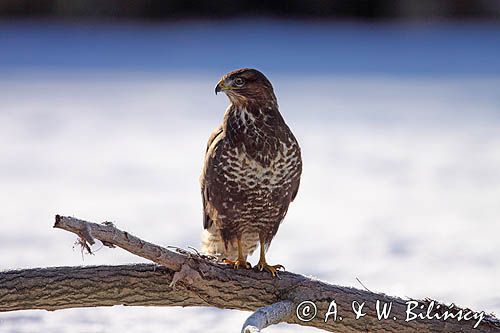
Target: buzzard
[(251, 172)]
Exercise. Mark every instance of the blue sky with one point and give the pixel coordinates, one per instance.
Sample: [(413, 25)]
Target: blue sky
[(428, 49)]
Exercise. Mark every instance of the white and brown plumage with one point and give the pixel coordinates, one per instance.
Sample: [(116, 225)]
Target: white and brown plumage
[(251, 172)]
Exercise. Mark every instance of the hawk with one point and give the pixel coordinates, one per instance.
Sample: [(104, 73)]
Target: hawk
[(251, 172)]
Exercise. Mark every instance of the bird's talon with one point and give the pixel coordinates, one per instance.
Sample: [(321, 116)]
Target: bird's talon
[(273, 269), (238, 263)]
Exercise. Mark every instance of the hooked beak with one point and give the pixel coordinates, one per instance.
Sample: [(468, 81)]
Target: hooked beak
[(220, 86)]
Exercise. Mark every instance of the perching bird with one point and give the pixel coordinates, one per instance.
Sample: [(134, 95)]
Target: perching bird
[(251, 172)]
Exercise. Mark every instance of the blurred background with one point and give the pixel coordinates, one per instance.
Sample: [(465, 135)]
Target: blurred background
[(106, 106)]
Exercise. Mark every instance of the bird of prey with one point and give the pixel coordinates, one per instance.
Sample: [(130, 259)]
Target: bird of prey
[(251, 172)]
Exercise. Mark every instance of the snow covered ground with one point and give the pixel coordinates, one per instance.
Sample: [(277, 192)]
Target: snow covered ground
[(399, 127)]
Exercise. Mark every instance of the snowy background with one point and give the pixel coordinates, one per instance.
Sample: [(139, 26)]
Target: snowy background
[(399, 126)]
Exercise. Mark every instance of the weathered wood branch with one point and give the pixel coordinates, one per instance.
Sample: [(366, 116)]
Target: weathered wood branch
[(268, 315), (189, 279), (57, 288)]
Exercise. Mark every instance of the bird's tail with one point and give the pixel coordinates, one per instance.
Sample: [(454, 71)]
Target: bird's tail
[(213, 244)]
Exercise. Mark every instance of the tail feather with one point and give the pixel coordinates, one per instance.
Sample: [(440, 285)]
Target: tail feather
[(213, 244)]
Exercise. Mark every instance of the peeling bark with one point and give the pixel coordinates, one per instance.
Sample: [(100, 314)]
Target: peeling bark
[(190, 279)]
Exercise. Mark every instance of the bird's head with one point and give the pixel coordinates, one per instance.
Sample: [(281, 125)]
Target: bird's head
[(245, 85)]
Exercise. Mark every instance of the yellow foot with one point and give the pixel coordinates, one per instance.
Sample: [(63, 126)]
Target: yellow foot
[(273, 269), (237, 263)]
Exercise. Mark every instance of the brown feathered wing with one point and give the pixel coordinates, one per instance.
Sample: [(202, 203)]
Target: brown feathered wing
[(213, 141)]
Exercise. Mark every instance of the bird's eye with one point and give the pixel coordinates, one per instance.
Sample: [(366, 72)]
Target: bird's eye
[(239, 82)]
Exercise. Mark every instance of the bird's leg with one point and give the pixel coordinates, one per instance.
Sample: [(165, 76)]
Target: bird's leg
[(241, 261), (263, 265)]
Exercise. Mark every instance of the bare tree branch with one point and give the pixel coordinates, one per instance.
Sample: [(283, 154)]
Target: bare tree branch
[(190, 279), (57, 288), (268, 315)]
